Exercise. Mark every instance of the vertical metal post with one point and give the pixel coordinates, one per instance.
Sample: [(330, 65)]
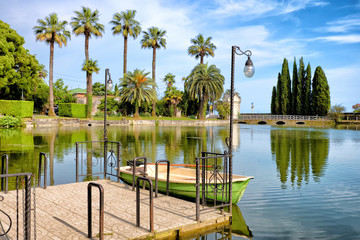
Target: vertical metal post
[(197, 190), (105, 127), (4, 170), (77, 161), (167, 176), (233, 49), (27, 223), (138, 202), (45, 169), (118, 162)]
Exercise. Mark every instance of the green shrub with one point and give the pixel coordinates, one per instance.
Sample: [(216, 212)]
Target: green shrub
[(99, 114), (9, 122), (192, 116), (16, 108), (145, 114), (75, 110)]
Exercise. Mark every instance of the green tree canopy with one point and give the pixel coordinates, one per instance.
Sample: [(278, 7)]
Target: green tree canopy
[(201, 47), (20, 72), (320, 96), (205, 83), (136, 88)]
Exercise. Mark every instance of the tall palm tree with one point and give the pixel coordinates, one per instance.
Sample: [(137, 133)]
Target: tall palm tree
[(52, 31), (201, 47), (90, 67), (86, 23), (169, 80), (204, 83), (125, 24), (153, 38), (137, 88)]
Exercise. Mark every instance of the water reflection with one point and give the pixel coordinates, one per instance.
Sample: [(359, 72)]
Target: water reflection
[(299, 154)]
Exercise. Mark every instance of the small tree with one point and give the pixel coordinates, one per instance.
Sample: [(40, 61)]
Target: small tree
[(337, 112), (223, 109), (320, 95), (356, 108)]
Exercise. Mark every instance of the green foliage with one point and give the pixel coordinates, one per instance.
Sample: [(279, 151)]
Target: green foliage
[(145, 114), (75, 110), (320, 96), (169, 80), (307, 92), (223, 109), (20, 72), (99, 114), (9, 122), (204, 83), (112, 105), (201, 48), (16, 108), (285, 97), (62, 94), (356, 108), (273, 101), (296, 91), (192, 116), (337, 112), (136, 88), (162, 108)]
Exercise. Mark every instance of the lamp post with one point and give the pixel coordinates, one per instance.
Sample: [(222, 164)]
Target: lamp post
[(249, 71), (108, 86)]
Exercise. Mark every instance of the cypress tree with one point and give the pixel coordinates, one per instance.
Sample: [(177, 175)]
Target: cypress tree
[(307, 91), (320, 97), (301, 78), (278, 95), (295, 91), (285, 97), (273, 101)]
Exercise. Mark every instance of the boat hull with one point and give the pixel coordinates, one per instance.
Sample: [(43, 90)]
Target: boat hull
[(188, 190)]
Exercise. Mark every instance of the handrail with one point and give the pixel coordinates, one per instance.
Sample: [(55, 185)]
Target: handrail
[(134, 169), (4, 170), (101, 215), (138, 202), (45, 169), (167, 176)]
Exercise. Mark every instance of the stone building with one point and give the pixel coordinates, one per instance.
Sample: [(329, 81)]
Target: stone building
[(237, 102)]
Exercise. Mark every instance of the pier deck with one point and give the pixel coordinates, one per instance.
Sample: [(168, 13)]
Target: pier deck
[(61, 213)]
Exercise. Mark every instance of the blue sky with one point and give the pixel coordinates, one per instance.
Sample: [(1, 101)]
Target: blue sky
[(325, 33)]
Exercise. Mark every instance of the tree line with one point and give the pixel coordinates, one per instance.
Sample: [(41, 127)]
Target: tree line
[(300, 95)]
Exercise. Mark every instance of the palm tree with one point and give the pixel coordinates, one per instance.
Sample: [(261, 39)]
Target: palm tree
[(169, 80), (204, 83), (201, 47), (125, 24), (90, 67), (173, 96), (137, 88), (153, 38), (52, 31), (86, 23)]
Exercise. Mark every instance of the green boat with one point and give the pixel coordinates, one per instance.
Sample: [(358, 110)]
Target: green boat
[(182, 182)]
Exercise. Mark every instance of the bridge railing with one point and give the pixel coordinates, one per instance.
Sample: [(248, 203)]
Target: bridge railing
[(280, 117)]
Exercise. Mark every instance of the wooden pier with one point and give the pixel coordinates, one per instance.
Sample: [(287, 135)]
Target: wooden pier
[(61, 213)]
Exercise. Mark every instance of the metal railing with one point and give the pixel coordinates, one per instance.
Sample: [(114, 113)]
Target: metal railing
[(26, 206), (101, 209), (151, 205), (280, 117), (97, 158), (215, 181), (167, 176), (134, 168)]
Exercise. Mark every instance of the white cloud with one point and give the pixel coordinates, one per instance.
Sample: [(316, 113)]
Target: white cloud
[(342, 39), (342, 25)]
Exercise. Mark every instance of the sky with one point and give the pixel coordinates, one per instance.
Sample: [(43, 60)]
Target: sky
[(325, 33)]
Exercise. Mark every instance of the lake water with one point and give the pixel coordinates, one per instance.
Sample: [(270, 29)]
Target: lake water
[(306, 180)]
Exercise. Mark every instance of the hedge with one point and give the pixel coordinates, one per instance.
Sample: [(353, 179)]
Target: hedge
[(75, 110), (16, 108)]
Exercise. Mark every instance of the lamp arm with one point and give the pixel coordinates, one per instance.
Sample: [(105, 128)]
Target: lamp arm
[(238, 51)]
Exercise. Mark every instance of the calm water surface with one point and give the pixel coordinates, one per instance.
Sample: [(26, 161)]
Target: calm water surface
[(306, 181)]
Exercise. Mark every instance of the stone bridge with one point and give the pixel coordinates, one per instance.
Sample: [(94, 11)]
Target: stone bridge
[(287, 120)]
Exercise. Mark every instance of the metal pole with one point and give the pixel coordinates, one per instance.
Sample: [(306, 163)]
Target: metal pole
[(105, 130), (233, 49)]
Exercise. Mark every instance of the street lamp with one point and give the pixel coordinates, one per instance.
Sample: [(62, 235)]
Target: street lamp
[(249, 71), (108, 86)]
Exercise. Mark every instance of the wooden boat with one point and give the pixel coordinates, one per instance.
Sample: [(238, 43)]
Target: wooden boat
[(182, 181)]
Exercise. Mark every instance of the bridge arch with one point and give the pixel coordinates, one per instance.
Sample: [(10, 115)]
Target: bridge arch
[(262, 123), (280, 123)]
